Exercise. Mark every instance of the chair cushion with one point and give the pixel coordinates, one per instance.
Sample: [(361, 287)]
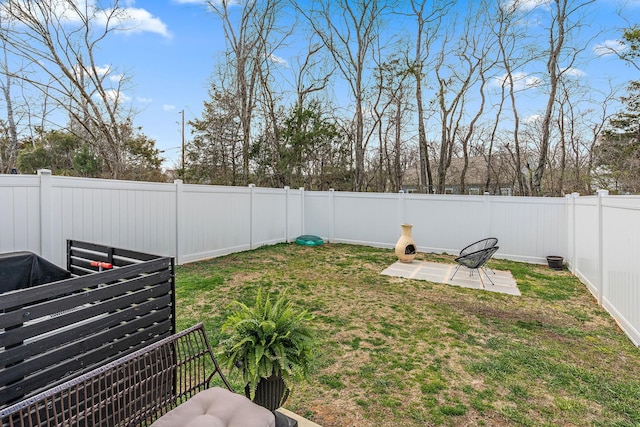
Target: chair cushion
[(217, 407)]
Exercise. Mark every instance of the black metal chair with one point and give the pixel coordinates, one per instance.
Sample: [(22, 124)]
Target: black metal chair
[(475, 256), (489, 242)]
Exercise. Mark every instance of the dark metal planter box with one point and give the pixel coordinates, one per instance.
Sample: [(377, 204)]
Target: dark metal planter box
[(50, 332)]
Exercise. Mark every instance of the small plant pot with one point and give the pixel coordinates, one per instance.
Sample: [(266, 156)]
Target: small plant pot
[(271, 392), (555, 262)]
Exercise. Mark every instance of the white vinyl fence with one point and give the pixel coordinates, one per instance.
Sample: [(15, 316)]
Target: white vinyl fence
[(597, 235), (604, 252)]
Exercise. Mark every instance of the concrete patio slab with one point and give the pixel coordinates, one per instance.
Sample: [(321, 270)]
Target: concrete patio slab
[(441, 273)]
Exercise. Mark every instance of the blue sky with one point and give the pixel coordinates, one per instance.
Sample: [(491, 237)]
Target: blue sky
[(171, 54), (170, 64)]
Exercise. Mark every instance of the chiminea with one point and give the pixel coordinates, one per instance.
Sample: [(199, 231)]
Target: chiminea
[(406, 247)]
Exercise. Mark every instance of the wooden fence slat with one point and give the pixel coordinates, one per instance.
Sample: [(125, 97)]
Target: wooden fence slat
[(47, 356), (51, 290), (87, 296)]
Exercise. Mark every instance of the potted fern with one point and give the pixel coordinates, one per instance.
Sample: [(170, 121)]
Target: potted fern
[(271, 344)]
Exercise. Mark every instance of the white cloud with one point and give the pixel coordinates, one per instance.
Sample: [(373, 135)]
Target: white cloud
[(280, 61), (100, 72), (135, 20), (521, 81), (609, 47), (574, 72), (144, 100), (524, 5), (532, 119), (104, 70), (114, 95), (203, 2), (168, 107), (127, 18)]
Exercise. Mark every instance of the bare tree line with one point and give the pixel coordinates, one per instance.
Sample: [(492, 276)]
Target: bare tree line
[(49, 47), (441, 105), (362, 95)]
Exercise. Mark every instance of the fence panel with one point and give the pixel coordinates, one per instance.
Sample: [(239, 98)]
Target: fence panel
[(586, 251), (366, 218), (529, 229), (620, 255), (268, 217), (295, 208), (443, 224), (193, 222), (136, 215), (317, 213), (19, 213), (214, 221)]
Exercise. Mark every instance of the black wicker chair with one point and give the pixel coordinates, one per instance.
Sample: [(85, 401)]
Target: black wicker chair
[(475, 256)]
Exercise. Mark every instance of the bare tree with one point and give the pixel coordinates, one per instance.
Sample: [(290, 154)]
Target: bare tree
[(461, 66), (566, 122), (392, 111), (248, 51), (595, 124), (9, 154), (379, 109), (58, 40), (572, 139), (350, 33), (578, 126), (508, 38), (313, 74), (428, 23), (564, 21), (292, 143), (478, 62)]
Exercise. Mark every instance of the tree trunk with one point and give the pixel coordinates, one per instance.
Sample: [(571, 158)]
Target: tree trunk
[(556, 43)]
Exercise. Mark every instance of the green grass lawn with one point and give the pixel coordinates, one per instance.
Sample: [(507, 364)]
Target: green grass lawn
[(401, 352)]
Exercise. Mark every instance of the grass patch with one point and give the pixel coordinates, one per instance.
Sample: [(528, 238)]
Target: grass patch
[(412, 353)]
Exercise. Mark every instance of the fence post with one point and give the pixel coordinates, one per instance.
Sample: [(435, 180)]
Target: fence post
[(400, 208), (570, 230), (574, 257), (601, 284), (180, 234), (286, 214), (487, 213), (252, 188), (302, 227), (46, 231), (332, 207)]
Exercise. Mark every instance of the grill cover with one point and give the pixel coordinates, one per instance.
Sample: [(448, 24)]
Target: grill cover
[(19, 270)]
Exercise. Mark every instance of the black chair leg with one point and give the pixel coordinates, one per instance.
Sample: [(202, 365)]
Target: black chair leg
[(454, 273), (488, 277)]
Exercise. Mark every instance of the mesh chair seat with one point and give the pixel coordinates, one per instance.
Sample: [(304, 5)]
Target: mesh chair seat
[(475, 256), (477, 259), (479, 245)]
